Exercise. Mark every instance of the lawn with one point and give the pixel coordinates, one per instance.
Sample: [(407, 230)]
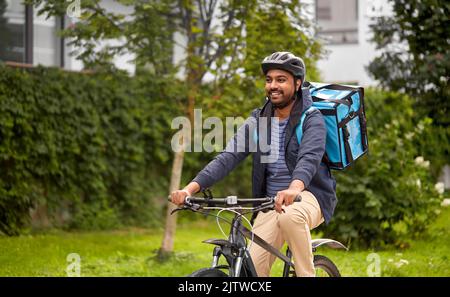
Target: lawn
[(131, 252)]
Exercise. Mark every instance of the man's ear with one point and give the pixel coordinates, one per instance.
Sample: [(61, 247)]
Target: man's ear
[(298, 83)]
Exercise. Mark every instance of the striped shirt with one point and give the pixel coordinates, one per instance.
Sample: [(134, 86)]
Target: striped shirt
[(278, 177)]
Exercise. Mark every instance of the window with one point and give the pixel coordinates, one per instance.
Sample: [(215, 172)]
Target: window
[(46, 42), (324, 10), (12, 31), (28, 38), (338, 20)]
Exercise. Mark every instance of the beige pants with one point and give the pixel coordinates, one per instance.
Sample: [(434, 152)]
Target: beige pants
[(292, 226)]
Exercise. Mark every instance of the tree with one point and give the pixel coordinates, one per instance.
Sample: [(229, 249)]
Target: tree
[(226, 38), (416, 55), (206, 50), (232, 51)]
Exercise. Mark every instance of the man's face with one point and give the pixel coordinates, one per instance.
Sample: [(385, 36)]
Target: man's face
[(280, 87)]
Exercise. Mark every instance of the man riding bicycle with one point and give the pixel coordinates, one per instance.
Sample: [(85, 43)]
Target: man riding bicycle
[(297, 169)]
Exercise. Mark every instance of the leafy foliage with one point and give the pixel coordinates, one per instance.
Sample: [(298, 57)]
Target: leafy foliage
[(416, 55), (389, 195), (88, 147), (143, 28)]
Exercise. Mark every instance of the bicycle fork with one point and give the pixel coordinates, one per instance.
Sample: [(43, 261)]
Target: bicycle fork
[(216, 255), (238, 262), (235, 265)]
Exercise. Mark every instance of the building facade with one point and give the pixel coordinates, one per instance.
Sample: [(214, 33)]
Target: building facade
[(29, 38), (343, 26)]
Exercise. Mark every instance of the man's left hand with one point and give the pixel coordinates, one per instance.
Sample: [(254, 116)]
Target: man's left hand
[(285, 197)]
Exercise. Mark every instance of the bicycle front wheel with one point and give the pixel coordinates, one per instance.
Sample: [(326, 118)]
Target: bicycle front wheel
[(325, 267), (208, 272)]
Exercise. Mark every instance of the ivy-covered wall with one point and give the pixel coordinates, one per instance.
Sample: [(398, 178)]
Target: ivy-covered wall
[(81, 150)]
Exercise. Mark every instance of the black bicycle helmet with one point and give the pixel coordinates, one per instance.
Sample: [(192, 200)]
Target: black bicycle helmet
[(286, 61)]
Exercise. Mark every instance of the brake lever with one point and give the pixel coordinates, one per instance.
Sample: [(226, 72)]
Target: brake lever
[(271, 204), (267, 205), (178, 209), (195, 207), (190, 206)]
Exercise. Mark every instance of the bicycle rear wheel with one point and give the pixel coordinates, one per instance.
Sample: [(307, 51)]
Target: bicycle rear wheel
[(208, 272), (325, 267)]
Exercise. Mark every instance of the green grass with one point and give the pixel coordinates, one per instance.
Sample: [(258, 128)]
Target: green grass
[(131, 252)]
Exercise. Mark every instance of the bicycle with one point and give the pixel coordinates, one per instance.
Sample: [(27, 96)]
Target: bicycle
[(234, 249)]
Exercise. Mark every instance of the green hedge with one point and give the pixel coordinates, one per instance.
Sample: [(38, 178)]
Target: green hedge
[(94, 149)]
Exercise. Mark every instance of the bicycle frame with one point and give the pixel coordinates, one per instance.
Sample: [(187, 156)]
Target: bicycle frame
[(234, 249), (236, 253)]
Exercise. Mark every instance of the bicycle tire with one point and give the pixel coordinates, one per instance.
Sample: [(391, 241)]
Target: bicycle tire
[(327, 265), (208, 272)]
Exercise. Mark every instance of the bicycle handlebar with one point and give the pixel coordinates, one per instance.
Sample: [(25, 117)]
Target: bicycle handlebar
[(194, 203), (229, 201)]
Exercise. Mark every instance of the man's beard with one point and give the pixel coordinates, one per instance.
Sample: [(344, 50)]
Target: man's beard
[(284, 103)]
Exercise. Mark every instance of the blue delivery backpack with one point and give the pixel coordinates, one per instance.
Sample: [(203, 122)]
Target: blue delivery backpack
[(343, 109)]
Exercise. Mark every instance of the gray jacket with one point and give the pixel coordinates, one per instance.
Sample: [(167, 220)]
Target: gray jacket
[(303, 161)]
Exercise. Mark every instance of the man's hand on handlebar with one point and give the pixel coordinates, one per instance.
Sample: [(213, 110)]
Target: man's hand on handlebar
[(285, 197), (179, 196)]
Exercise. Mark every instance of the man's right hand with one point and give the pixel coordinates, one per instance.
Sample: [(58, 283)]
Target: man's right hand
[(177, 197)]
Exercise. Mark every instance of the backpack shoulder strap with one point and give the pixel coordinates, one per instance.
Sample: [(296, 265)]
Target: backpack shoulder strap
[(299, 128)]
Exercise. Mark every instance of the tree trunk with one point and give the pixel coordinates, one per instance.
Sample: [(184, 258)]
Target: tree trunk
[(175, 179), (171, 220), (193, 82)]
